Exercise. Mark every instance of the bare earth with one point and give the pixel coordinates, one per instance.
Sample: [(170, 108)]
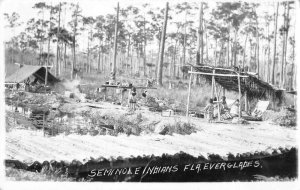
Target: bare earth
[(210, 138)]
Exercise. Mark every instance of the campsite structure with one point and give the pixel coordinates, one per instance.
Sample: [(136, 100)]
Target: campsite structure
[(25, 72), (245, 83)]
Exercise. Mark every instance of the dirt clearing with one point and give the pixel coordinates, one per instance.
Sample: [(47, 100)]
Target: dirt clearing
[(222, 139)]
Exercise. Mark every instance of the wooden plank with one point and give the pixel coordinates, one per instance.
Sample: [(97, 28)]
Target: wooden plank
[(216, 94), (210, 67)]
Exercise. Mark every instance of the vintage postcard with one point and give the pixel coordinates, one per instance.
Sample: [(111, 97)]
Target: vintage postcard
[(149, 91)]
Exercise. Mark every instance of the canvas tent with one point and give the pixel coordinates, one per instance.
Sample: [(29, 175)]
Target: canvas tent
[(26, 71)]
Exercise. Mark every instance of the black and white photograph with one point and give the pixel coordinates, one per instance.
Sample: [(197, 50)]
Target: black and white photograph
[(140, 91)]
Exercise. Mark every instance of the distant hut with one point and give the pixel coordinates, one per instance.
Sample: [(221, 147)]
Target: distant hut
[(30, 75)]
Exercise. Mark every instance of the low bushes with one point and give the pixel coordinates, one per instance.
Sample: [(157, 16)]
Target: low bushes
[(181, 128), (285, 117)]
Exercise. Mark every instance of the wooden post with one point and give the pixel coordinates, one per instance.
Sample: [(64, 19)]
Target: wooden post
[(218, 100), (223, 93), (189, 94), (105, 93), (212, 84), (239, 83), (121, 96), (246, 102)]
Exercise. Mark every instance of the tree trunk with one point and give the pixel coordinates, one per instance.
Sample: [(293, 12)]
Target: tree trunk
[(145, 44), (57, 44), (74, 43), (157, 61), (127, 58), (283, 46), (206, 44), (99, 56), (257, 42), (235, 48), (228, 47), (184, 43), (269, 54), (48, 51), (199, 56), (216, 52), (286, 41), (114, 69), (88, 57), (275, 41), (220, 54), (65, 57), (244, 53), (162, 44), (175, 55), (293, 68)]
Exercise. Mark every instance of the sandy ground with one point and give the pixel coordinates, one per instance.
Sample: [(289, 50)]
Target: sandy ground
[(210, 138)]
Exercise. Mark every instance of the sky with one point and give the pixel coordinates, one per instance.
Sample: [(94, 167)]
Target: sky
[(94, 8), (89, 8)]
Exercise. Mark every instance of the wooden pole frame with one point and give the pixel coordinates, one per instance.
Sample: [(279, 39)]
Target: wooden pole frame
[(189, 94), (246, 102), (222, 75), (218, 100), (212, 84), (240, 94)]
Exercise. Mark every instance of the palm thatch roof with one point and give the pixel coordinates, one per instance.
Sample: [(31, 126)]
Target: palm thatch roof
[(228, 79)]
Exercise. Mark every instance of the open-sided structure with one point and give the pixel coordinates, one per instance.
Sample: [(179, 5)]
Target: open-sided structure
[(234, 79)]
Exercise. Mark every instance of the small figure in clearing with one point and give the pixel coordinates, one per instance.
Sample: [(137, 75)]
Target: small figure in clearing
[(144, 94), (224, 109), (224, 106), (215, 103), (209, 110), (132, 99)]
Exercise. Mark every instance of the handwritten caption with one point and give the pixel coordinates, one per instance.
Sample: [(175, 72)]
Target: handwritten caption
[(198, 167)]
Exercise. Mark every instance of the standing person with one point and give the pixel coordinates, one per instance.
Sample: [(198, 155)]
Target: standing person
[(216, 108), (132, 99), (133, 94), (209, 110)]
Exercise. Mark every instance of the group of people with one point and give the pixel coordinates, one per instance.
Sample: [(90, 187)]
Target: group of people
[(226, 112), (132, 96)]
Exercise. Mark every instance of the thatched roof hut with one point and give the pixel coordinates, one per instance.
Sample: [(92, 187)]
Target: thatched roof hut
[(250, 83), (235, 79)]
